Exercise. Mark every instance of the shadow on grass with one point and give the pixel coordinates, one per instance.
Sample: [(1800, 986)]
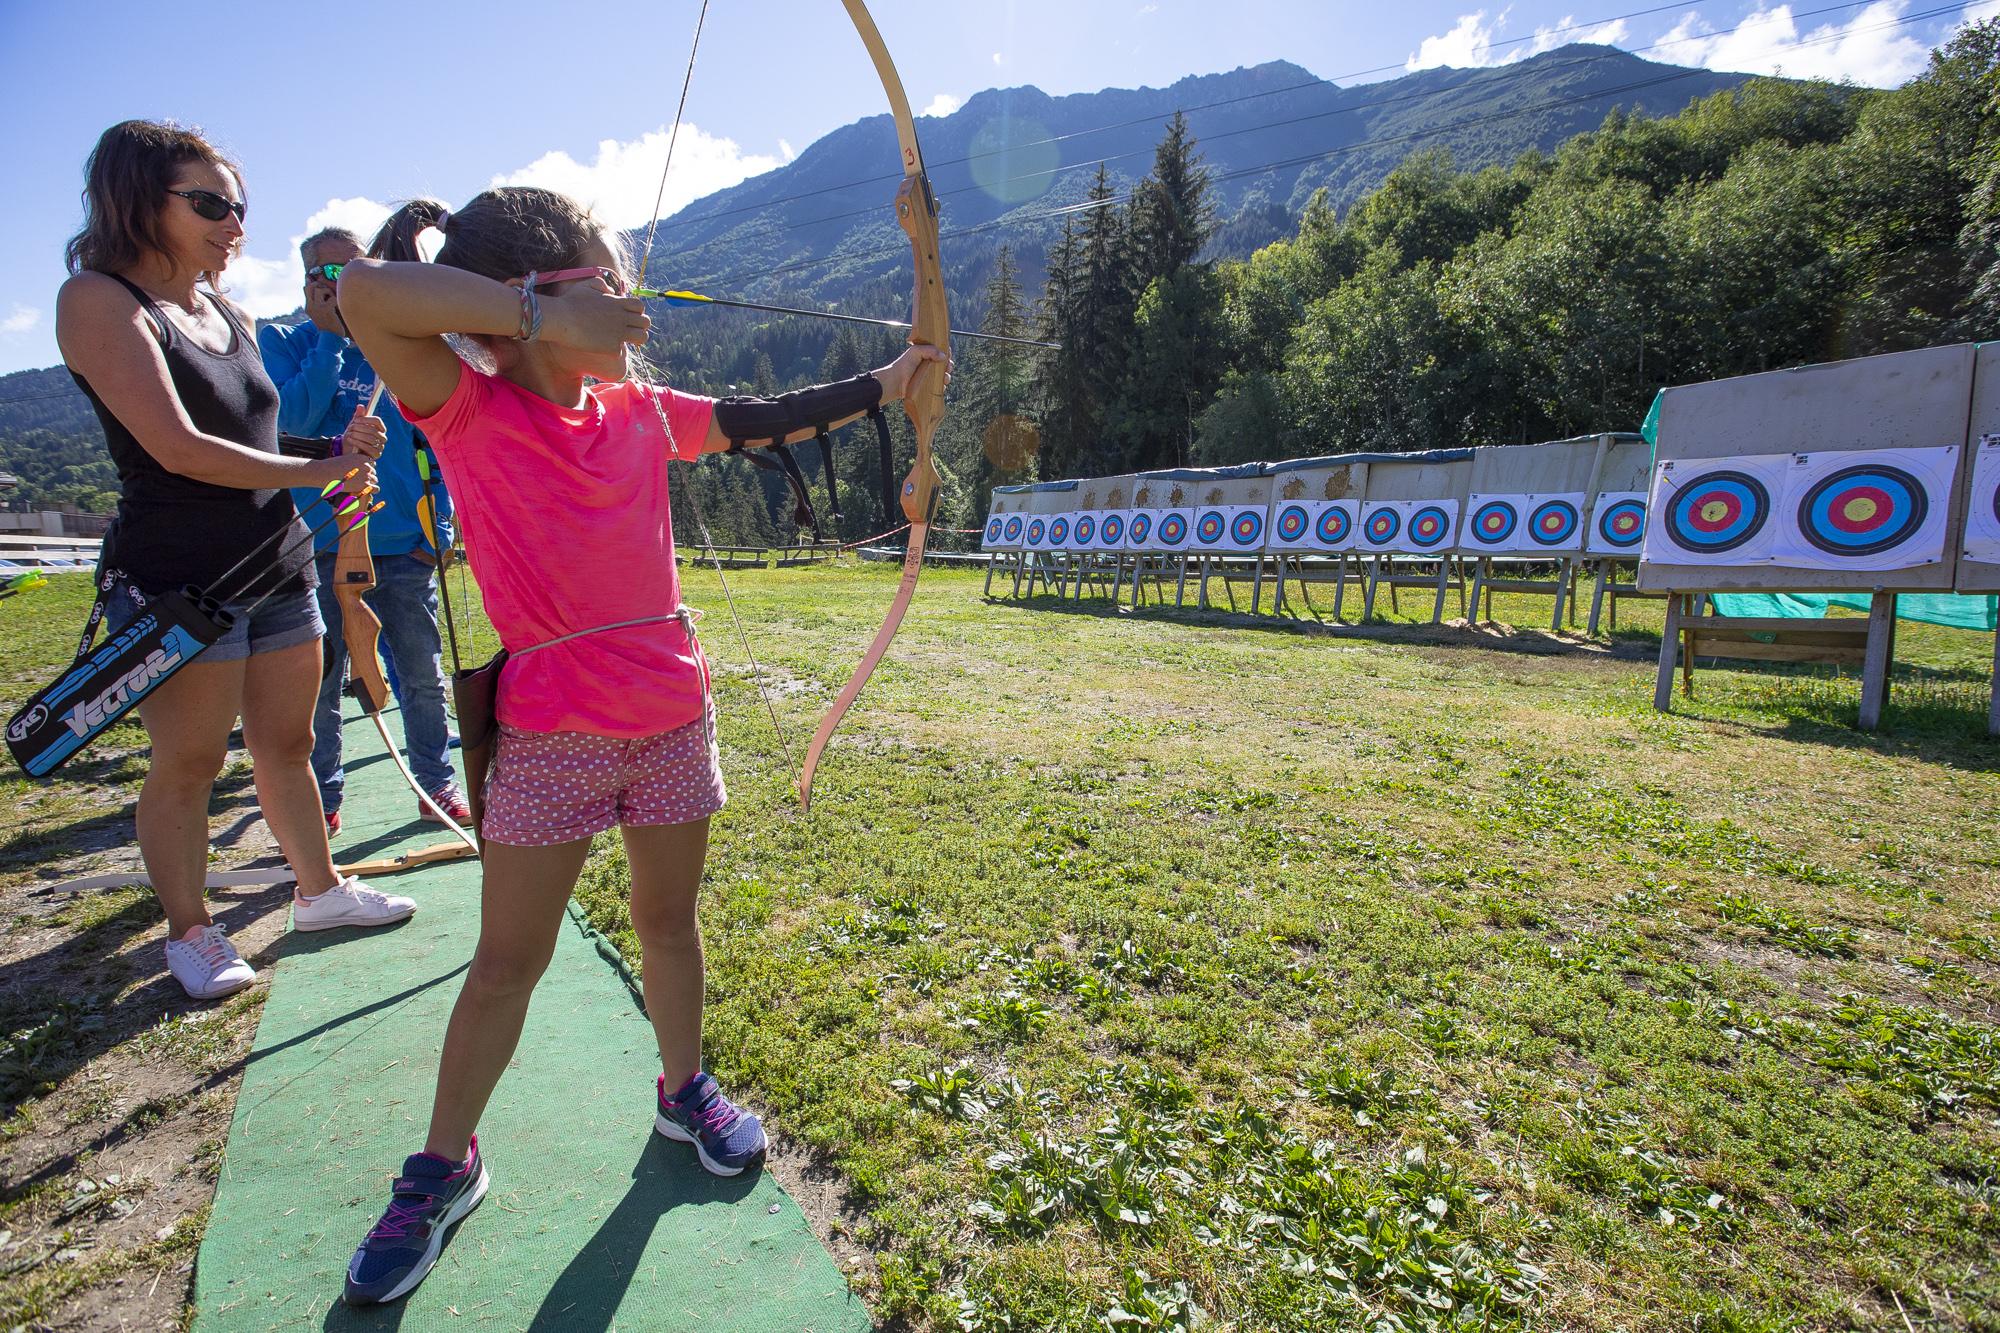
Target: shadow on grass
[(1494, 636), (590, 1290)]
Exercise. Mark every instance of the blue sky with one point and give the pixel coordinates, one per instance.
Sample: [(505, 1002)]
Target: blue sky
[(336, 111)]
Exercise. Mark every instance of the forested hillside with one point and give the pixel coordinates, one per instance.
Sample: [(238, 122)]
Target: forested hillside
[(1778, 224)]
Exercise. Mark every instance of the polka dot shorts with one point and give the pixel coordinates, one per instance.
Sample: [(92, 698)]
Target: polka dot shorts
[(550, 787)]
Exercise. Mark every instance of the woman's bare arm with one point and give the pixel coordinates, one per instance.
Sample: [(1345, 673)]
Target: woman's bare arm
[(107, 338)]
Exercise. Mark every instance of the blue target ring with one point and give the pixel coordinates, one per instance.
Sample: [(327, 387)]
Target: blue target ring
[(1142, 528), (1863, 510), (1037, 530), (1494, 522), (1293, 522), (1622, 524), (993, 526), (1554, 523), (1717, 512), (1058, 531), (1334, 526), (1173, 530), (1209, 530), (1429, 527), (1381, 527), (1086, 528), (1112, 530), (1014, 528), (1248, 528)]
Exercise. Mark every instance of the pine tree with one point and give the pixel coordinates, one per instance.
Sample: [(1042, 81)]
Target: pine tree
[(994, 438), (1172, 210)]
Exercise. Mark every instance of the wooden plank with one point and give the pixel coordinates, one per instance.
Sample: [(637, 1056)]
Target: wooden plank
[(1756, 650), (1881, 654), (1993, 705), (1670, 646)]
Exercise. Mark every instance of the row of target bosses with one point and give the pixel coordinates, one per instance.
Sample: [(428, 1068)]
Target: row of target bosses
[(1220, 511)]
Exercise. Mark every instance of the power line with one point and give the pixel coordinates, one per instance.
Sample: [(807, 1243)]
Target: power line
[(763, 205), (1258, 168)]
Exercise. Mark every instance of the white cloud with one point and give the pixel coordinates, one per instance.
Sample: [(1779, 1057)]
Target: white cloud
[(21, 319), (786, 151), (1474, 43), (1469, 43), (1566, 30), (620, 185), (941, 105), (1868, 48), (997, 59), (1980, 11), (270, 287)]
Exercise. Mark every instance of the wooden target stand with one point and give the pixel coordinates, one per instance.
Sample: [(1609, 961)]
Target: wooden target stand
[(1918, 399), (1692, 632)]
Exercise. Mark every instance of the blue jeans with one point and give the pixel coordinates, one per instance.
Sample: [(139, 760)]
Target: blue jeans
[(405, 599)]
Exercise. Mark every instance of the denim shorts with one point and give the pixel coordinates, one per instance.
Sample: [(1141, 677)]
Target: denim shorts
[(285, 619)]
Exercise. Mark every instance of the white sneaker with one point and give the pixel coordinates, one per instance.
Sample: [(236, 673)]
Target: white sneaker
[(350, 903), (207, 964)]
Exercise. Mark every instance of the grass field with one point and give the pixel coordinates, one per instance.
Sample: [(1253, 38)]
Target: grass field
[(1163, 970)]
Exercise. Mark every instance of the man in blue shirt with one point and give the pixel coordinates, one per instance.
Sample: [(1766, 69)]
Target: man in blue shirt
[(322, 381)]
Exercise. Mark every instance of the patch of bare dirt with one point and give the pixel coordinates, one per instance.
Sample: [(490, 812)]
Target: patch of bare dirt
[(116, 1090)]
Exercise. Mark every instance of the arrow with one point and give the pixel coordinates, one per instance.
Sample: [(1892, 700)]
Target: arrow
[(696, 298)]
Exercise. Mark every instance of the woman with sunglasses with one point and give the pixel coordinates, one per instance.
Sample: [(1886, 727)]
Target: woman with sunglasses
[(191, 419)]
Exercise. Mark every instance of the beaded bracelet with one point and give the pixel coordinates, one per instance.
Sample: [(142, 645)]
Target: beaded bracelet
[(531, 311)]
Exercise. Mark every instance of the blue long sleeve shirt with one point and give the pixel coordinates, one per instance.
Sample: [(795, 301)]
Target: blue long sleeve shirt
[(322, 378)]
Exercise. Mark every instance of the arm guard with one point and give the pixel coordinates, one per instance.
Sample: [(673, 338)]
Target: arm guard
[(750, 421)]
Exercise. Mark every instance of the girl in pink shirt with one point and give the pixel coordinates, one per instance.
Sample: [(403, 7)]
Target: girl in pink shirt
[(558, 466)]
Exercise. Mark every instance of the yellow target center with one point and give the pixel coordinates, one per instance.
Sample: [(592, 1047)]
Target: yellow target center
[(1715, 511), (1858, 510)]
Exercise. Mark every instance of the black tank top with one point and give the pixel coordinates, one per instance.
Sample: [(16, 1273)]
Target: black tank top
[(173, 529)]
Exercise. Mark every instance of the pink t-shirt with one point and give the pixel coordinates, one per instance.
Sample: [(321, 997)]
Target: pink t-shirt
[(567, 527)]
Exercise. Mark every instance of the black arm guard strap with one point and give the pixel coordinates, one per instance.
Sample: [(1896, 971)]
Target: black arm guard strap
[(889, 507), (826, 470), (747, 421), (778, 458), (753, 420)]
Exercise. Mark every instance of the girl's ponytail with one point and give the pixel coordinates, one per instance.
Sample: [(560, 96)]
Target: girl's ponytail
[(397, 239)]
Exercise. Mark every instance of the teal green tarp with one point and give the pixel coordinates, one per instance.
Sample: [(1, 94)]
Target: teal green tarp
[(1960, 612)]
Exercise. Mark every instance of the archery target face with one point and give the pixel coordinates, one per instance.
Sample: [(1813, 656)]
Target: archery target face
[(1059, 532), (1714, 511), (1038, 533), (1111, 532), (1415, 527), (1086, 531), (1246, 529), (1869, 509), (995, 525), (1430, 527), (1555, 522), (1139, 529), (1381, 524), (1293, 525), (1016, 526), (1618, 524), (1495, 524), (1334, 527), (1174, 531), (1982, 514), (1209, 527)]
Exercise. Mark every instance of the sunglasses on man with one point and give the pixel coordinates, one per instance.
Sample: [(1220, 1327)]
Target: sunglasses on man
[(208, 204), (324, 272)]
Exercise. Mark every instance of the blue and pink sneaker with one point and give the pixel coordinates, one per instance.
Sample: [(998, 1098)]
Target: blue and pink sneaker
[(726, 1137), (429, 1198)]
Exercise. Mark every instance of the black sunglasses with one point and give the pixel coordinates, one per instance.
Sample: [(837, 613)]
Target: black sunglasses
[(210, 205), (326, 272)]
